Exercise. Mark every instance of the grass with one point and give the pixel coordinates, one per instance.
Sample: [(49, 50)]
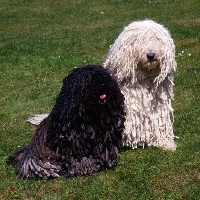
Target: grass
[(41, 41)]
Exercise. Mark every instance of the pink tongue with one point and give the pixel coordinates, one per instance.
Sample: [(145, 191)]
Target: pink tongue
[(103, 96)]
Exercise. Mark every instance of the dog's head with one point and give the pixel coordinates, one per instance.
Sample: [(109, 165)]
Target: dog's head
[(89, 89), (143, 49), (102, 88)]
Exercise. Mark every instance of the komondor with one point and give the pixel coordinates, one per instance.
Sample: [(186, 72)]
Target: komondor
[(142, 60), (83, 133)]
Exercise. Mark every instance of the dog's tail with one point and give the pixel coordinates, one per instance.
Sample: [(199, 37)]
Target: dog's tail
[(21, 159), (30, 166), (37, 119)]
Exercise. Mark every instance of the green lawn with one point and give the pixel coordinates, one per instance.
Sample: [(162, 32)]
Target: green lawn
[(41, 41)]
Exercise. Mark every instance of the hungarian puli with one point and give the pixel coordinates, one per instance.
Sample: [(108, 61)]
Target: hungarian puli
[(142, 60), (82, 134)]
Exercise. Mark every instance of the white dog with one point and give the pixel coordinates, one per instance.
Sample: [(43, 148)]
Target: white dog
[(142, 60)]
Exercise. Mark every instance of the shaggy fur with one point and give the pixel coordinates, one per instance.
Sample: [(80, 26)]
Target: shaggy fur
[(82, 134), (142, 60)]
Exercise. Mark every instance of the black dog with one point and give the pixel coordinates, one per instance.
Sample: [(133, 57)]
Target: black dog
[(82, 134)]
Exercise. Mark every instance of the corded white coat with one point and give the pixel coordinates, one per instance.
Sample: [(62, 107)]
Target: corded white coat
[(147, 84)]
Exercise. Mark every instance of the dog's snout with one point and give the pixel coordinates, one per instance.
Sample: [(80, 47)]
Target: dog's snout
[(150, 55)]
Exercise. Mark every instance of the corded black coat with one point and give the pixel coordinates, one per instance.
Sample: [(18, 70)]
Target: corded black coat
[(82, 134)]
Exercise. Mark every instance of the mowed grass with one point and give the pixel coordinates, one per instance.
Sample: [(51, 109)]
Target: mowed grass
[(41, 41)]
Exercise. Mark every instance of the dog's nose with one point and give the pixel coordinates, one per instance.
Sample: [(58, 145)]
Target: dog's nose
[(102, 88), (150, 55)]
